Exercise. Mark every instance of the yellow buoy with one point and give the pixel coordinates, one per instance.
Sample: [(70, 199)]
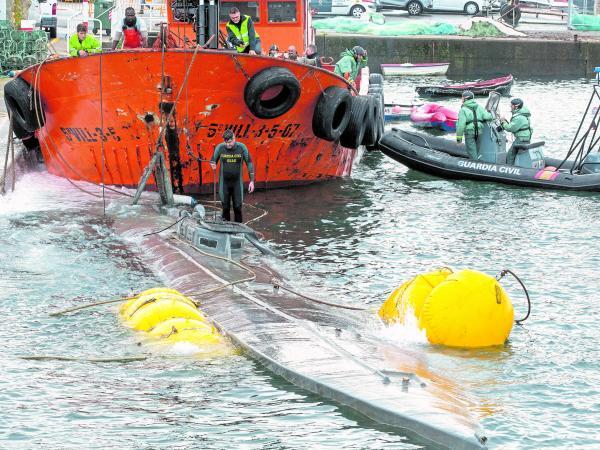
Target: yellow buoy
[(154, 291), (462, 309), (145, 299), (468, 309), (186, 330), (150, 314), (411, 295), (171, 318)]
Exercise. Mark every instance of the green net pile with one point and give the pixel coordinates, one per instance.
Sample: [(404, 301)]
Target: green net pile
[(353, 26), (376, 28), (585, 22), (482, 29)]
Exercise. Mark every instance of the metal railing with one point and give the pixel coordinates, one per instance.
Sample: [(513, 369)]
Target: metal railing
[(72, 26)]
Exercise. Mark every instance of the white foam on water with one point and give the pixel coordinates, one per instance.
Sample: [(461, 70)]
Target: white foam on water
[(406, 333)]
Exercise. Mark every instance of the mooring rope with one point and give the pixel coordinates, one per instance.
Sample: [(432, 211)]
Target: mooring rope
[(125, 359), (8, 145), (278, 284), (500, 276), (102, 137)]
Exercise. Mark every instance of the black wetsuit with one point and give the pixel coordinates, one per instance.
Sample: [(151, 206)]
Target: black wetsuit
[(231, 186)]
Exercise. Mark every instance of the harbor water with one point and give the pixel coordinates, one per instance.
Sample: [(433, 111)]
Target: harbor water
[(350, 241)]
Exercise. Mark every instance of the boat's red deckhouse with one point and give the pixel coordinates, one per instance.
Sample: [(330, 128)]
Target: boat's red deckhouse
[(280, 22)]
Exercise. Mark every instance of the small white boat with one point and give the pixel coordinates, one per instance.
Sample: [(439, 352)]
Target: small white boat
[(415, 69)]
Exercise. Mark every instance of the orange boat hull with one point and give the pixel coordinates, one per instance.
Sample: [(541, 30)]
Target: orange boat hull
[(97, 109)]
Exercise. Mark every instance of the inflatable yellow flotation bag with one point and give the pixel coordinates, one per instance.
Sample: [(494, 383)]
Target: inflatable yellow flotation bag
[(135, 302), (411, 295), (186, 330), (466, 309), (152, 313), (169, 317)]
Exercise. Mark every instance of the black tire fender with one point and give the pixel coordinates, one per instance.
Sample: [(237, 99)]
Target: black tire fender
[(510, 14), (375, 79), (374, 89), (332, 113), (375, 125), (16, 97), (277, 102), (353, 136)]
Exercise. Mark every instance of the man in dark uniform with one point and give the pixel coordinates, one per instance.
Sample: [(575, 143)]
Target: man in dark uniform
[(231, 185)]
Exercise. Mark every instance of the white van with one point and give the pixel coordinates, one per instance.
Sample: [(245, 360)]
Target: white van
[(43, 12)]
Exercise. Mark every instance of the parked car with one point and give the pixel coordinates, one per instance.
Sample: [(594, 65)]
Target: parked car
[(413, 7), (355, 8), (470, 7), (43, 12)]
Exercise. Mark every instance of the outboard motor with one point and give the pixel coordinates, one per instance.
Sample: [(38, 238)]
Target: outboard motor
[(530, 156), (591, 163), (493, 139)]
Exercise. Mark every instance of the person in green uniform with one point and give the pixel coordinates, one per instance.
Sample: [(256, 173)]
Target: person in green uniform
[(241, 33), (351, 63), (519, 125), (470, 123), (82, 44), (231, 184)]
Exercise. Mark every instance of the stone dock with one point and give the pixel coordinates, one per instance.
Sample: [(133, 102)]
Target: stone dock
[(542, 54)]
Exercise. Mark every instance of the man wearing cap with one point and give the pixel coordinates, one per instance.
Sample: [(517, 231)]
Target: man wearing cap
[(519, 125), (470, 123), (241, 33), (274, 51), (351, 63), (231, 186)]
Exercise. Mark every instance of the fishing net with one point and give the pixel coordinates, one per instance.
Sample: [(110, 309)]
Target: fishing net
[(350, 25), (20, 49), (585, 22), (482, 29)]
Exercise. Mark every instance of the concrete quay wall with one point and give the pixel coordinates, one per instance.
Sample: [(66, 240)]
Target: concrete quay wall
[(522, 57)]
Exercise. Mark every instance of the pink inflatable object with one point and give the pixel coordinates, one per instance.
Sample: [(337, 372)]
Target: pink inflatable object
[(434, 115)]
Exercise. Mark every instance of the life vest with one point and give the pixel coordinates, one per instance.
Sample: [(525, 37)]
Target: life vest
[(132, 38), (241, 33)]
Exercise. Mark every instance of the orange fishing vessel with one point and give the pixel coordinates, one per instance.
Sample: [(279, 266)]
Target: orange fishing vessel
[(99, 118)]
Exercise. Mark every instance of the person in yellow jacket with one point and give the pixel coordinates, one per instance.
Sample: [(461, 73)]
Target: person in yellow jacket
[(241, 33), (82, 44)]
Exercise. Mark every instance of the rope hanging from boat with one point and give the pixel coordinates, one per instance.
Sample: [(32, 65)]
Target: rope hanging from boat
[(10, 148), (500, 276), (162, 74), (184, 83), (35, 103), (102, 138)]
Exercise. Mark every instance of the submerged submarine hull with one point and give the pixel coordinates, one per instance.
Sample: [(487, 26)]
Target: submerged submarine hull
[(447, 159)]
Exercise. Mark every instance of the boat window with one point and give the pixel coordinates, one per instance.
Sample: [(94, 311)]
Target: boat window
[(282, 11), (246, 8), (184, 10)]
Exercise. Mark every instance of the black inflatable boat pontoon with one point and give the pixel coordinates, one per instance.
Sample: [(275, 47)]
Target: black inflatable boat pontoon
[(444, 158)]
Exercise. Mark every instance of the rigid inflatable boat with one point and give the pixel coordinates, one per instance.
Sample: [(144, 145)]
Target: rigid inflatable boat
[(445, 158)]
